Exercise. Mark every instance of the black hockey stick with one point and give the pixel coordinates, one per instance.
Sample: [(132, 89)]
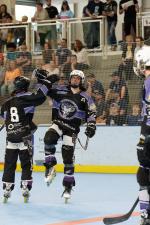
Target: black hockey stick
[(122, 218), (1, 128), (86, 144)]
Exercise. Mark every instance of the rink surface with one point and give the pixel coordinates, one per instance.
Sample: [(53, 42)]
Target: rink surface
[(94, 197)]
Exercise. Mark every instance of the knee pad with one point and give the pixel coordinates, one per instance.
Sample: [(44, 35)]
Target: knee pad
[(8, 186), (68, 181), (143, 177), (50, 140), (68, 154), (50, 160), (144, 198)]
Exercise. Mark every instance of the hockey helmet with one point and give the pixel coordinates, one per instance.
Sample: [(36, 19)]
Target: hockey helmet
[(142, 60), (21, 83), (78, 73)]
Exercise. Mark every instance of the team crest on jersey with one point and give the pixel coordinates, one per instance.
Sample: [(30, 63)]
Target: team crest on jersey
[(67, 109)]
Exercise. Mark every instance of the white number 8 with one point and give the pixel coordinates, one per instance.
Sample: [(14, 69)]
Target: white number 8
[(14, 114)]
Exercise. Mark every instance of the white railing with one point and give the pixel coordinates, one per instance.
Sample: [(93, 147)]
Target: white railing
[(143, 24), (26, 26), (67, 28)]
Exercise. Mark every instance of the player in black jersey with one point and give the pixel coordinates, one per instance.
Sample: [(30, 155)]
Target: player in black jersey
[(71, 107), (17, 113)]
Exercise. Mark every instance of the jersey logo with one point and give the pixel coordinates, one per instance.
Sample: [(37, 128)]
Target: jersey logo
[(67, 109), (82, 99)]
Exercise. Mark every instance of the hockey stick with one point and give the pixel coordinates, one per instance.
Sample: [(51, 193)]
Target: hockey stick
[(1, 128), (119, 219), (86, 144)]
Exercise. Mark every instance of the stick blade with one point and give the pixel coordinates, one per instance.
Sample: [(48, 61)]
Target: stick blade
[(114, 220), (121, 218)]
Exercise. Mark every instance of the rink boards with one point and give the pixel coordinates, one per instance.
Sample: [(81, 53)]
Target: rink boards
[(111, 150)]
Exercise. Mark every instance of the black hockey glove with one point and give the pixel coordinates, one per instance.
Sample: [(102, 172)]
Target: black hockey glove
[(53, 78), (40, 74), (90, 130), (42, 78)]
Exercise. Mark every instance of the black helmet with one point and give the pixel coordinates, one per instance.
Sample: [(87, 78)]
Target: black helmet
[(21, 83)]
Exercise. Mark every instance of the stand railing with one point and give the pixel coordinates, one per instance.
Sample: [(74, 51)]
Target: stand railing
[(55, 30)]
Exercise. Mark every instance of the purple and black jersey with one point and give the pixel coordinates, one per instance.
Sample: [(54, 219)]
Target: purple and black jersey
[(146, 100), (72, 109), (18, 112)]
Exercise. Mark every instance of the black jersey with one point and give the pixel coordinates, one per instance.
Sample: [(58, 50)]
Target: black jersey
[(72, 109), (18, 113)]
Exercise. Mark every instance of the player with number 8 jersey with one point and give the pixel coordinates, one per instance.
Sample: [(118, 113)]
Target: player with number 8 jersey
[(18, 112)]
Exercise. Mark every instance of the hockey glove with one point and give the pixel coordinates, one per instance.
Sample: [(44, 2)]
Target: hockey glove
[(53, 78), (90, 130), (40, 74)]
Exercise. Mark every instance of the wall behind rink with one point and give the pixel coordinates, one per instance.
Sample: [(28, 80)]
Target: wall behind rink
[(111, 150)]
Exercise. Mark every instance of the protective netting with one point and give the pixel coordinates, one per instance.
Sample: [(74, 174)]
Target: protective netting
[(110, 78)]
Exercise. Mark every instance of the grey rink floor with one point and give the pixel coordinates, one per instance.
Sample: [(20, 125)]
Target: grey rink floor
[(94, 197)]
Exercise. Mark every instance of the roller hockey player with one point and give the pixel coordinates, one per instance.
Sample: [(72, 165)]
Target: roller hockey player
[(71, 106), (142, 69), (18, 112)]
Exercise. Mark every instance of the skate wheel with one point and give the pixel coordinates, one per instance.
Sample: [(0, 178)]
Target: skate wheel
[(5, 200), (66, 200), (26, 199), (48, 184)]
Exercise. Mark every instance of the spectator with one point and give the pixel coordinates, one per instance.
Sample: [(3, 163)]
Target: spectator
[(65, 12), (110, 10), (41, 14), (86, 26), (52, 10), (52, 32), (139, 43), (24, 60), (24, 19), (11, 51), (72, 65), (20, 32), (113, 119), (80, 52), (11, 73), (63, 54), (129, 8), (100, 107), (93, 85), (119, 86), (51, 68), (127, 57), (62, 82), (48, 53), (134, 119), (93, 10), (3, 13)]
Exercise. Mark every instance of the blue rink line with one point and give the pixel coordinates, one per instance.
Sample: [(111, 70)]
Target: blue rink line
[(94, 196)]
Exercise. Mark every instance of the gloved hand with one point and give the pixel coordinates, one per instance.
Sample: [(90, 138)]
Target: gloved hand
[(40, 74), (90, 130), (53, 78)]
